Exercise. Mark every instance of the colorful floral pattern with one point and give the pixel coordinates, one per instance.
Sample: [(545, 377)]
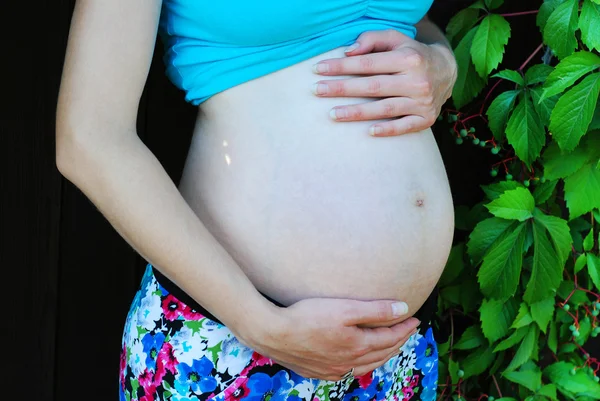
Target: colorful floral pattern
[(170, 352)]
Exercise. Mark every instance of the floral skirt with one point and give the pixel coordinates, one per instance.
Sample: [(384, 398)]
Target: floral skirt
[(171, 352)]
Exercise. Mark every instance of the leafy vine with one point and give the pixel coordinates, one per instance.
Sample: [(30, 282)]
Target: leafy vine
[(526, 280)]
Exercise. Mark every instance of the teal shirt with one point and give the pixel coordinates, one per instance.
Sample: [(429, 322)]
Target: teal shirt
[(211, 46)]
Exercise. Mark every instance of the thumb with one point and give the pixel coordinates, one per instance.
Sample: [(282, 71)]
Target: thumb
[(370, 312), (377, 41)]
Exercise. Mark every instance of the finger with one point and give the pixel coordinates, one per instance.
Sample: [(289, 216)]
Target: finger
[(383, 354), (386, 337), (361, 312), (404, 125), (400, 60), (372, 86), (381, 109), (377, 41), (364, 368)]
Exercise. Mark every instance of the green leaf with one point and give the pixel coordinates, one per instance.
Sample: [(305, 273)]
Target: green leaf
[(569, 70), (496, 317), (510, 75), (549, 390), (580, 263), (468, 82), (543, 191), (543, 107), (497, 363), (488, 43), (595, 124), (453, 370), (542, 312), (464, 294), (479, 5), (512, 340), (537, 73), (471, 298), (559, 31), (582, 191), (525, 350), (545, 11), (529, 379), (454, 266), (460, 24), (471, 338), (560, 234), (516, 204), (525, 131), (493, 4), (485, 235), (499, 111), (588, 242), (558, 164), (477, 362), (589, 24), (585, 329), (501, 268), (553, 337), (573, 112), (523, 319), (451, 294), (465, 219), (546, 273), (593, 265), (494, 191), (573, 386), (580, 224)]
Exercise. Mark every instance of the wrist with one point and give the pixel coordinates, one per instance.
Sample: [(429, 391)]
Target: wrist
[(262, 322), (449, 61)]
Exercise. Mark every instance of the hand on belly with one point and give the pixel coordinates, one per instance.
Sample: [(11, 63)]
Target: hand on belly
[(326, 338)]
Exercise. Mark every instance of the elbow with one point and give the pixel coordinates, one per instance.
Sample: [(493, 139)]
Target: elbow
[(67, 145), (74, 146), (85, 141)]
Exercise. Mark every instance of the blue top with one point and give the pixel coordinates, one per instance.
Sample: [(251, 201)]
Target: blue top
[(214, 45)]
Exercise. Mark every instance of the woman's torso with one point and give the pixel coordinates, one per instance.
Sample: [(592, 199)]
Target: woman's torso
[(313, 208)]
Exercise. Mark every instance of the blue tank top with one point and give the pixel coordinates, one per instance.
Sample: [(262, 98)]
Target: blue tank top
[(211, 46)]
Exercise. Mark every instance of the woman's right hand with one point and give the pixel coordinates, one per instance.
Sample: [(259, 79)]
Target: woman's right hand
[(325, 338)]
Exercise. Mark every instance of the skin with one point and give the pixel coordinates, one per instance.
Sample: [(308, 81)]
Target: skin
[(99, 151), (415, 77)]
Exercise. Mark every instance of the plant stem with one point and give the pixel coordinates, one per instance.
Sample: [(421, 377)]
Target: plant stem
[(497, 386), (488, 96), (531, 56), (520, 13)]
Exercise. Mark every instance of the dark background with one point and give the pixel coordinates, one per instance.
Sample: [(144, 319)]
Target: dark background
[(67, 277)]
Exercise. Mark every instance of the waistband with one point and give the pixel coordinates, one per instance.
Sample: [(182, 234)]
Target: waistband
[(425, 314)]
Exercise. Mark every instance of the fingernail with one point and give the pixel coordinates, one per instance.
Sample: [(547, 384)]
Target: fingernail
[(352, 47), (320, 68), (375, 130), (338, 114), (399, 308), (320, 89)]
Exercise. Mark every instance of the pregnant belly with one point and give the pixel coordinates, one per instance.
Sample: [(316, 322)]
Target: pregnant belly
[(313, 208)]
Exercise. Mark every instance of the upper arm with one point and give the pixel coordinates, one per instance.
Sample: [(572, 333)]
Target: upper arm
[(108, 57)]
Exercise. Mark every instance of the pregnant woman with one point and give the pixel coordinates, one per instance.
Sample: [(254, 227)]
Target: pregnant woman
[(297, 256)]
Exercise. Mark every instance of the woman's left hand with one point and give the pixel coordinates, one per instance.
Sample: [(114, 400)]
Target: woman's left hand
[(414, 80)]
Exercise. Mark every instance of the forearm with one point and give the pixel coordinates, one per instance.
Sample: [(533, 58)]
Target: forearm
[(429, 34), (130, 188)]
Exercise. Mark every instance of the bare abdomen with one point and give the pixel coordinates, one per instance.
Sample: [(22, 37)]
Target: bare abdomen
[(309, 207)]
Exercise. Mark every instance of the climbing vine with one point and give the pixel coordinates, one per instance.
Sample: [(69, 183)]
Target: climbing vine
[(525, 283)]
